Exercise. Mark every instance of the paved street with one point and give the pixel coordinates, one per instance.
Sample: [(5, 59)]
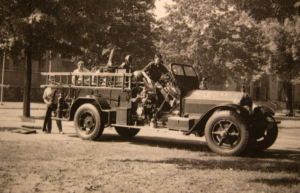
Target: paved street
[(11, 116)]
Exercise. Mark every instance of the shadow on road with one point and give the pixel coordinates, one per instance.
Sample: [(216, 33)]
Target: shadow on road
[(191, 145), (231, 163), (285, 181), (278, 154), (200, 146)]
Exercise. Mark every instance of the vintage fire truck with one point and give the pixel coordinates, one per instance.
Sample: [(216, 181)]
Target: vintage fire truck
[(230, 121)]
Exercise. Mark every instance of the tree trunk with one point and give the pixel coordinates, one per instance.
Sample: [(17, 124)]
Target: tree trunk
[(287, 86), (27, 86)]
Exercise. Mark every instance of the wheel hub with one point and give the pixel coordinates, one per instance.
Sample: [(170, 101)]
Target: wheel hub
[(88, 122), (224, 134)]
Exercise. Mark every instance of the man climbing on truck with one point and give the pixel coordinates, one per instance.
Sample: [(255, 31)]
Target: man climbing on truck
[(153, 72)]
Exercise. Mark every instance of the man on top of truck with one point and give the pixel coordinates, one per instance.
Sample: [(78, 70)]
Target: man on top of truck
[(154, 70), (127, 63), (76, 80)]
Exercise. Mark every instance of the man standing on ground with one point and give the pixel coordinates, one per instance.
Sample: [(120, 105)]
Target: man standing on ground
[(50, 99)]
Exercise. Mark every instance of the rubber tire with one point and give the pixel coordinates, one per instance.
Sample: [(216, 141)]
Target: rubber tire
[(240, 126), (98, 128), (267, 141), (127, 133)]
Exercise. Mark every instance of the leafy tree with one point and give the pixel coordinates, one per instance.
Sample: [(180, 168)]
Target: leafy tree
[(263, 9), (279, 27), (280, 42), (126, 27), (72, 28), (32, 28), (219, 40), (133, 33)]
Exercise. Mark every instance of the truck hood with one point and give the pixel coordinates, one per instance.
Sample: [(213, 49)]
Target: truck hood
[(200, 101)]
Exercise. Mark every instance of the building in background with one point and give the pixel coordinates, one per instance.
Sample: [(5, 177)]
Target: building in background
[(267, 88), (14, 75)]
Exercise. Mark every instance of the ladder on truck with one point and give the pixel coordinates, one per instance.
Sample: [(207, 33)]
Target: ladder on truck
[(89, 80)]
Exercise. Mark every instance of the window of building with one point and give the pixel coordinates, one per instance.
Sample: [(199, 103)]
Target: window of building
[(68, 66), (42, 65), (19, 64)]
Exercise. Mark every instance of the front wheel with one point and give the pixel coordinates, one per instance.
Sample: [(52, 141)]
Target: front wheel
[(126, 132), (267, 140), (88, 123), (226, 133)]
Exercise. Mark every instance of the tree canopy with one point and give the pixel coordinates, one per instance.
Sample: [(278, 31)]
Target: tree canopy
[(280, 43), (78, 27), (219, 40), (263, 9)]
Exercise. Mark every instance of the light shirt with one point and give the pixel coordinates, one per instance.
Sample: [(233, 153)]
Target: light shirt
[(49, 94), (79, 77)]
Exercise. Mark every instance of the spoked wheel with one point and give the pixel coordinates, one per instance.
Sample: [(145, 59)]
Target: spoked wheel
[(88, 122), (126, 132), (226, 133)]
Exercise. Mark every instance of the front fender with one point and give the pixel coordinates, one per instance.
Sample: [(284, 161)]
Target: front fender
[(200, 123), (264, 108), (96, 100)]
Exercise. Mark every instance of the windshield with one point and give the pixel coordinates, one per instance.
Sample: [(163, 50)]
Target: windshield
[(189, 71), (185, 76), (181, 70), (177, 70)]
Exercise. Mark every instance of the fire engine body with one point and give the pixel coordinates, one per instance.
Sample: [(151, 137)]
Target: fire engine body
[(230, 121)]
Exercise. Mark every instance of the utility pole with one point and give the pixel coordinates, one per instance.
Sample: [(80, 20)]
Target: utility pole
[(2, 82), (50, 63)]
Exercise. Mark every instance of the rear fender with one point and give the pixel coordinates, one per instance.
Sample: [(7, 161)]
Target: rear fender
[(199, 125), (96, 100)]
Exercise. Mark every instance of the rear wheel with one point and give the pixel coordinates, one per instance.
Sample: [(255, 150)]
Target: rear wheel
[(126, 132), (226, 133), (88, 124)]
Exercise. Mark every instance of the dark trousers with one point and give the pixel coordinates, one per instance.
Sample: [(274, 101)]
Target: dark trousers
[(48, 122)]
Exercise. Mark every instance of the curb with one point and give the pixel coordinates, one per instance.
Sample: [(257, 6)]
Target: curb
[(16, 108), (287, 118)]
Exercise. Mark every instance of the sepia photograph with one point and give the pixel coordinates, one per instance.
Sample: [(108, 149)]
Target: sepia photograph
[(150, 96)]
